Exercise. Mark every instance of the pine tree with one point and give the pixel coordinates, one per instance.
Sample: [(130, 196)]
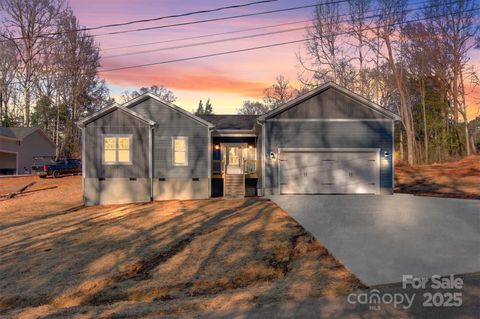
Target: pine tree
[(208, 107), (200, 109)]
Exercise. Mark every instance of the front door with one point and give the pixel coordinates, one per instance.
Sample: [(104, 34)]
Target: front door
[(234, 160)]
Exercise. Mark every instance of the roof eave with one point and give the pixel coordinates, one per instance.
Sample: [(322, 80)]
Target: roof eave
[(323, 87), (93, 117), (169, 104)]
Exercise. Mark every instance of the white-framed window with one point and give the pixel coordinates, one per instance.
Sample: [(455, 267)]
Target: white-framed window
[(180, 151), (117, 149)]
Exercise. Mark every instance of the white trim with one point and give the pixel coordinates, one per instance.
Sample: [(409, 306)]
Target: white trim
[(393, 157), (262, 158), (330, 120), (111, 108), (333, 150), (326, 149), (144, 96), (13, 139), (235, 135), (150, 160), (209, 160), (324, 87), (16, 159), (185, 138), (116, 136), (82, 129)]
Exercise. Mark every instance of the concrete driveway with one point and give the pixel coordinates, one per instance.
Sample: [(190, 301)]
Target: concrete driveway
[(381, 238)]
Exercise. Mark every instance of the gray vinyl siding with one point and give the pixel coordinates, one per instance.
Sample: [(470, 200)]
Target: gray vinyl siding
[(330, 104), (171, 123), (324, 134), (116, 122), (35, 144)]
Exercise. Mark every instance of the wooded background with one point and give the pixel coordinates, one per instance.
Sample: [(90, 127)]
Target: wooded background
[(413, 62)]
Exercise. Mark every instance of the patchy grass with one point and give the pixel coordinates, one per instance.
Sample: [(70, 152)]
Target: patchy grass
[(456, 179), (169, 258)]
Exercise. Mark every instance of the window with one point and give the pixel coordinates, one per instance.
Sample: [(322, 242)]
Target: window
[(180, 151), (116, 149)]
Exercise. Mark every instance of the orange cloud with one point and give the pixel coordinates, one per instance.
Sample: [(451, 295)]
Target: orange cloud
[(186, 78)]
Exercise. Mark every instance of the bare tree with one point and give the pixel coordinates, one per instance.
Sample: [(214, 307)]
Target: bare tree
[(359, 27), (280, 92), (323, 43), (29, 20), (389, 30), (8, 66), (160, 91), (253, 108), (455, 22)]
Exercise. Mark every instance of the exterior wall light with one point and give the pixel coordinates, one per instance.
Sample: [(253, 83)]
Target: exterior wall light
[(272, 155), (386, 154), (217, 147), (250, 147)]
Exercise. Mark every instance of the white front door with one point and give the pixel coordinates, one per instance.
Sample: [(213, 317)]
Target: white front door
[(234, 159)]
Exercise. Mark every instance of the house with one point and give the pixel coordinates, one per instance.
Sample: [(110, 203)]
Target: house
[(19, 146), (327, 141)]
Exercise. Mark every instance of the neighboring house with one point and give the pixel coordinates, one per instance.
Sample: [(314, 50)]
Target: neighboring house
[(18, 147), (327, 141)]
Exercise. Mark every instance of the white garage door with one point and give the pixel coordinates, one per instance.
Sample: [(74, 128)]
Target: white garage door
[(329, 172)]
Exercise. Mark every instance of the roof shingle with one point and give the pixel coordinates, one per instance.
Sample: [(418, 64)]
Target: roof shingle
[(231, 122)]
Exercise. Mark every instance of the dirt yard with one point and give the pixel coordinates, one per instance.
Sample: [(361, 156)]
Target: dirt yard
[(173, 258), (459, 179)]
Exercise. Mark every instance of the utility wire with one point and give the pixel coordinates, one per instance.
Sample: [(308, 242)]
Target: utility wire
[(257, 47), (246, 36), (263, 46), (150, 20), (205, 35), (191, 22)]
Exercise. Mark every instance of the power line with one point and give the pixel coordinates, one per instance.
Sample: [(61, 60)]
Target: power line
[(195, 22), (219, 19), (150, 20), (256, 47), (249, 36), (260, 47), (205, 36)]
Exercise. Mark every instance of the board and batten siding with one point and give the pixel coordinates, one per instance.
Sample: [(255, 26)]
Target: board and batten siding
[(329, 119), (322, 134), (109, 184), (177, 182)]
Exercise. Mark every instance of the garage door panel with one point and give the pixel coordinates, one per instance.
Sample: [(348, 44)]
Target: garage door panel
[(329, 172)]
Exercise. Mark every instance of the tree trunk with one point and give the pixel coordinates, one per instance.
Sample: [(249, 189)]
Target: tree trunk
[(425, 138), (405, 109)]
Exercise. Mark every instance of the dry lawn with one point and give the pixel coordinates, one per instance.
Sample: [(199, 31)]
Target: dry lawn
[(459, 179), (172, 258)]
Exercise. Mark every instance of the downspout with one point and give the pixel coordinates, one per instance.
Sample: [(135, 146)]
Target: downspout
[(262, 158), (150, 160), (83, 164), (209, 159)]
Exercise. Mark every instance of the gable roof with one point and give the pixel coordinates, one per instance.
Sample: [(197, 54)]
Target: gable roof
[(109, 109), (18, 133), (322, 88), (231, 121), (145, 96)]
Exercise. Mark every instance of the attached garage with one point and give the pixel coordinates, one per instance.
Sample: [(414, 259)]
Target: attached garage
[(329, 171), (328, 141), (8, 163)]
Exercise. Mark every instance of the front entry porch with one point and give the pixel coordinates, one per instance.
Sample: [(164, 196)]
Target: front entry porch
[(234, 167)]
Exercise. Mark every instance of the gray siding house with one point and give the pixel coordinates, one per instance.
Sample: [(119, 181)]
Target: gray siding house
[(328, 141), (19, 146)]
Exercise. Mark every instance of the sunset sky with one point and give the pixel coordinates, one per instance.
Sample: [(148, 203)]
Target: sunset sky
[(227, 80)]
